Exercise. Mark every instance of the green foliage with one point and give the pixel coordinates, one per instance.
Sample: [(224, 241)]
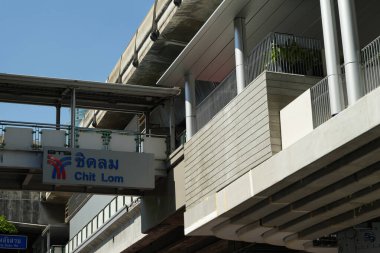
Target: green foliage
[(292, 57), (6, 227)]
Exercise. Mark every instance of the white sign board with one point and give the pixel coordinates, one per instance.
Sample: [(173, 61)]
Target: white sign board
[(87, 167)]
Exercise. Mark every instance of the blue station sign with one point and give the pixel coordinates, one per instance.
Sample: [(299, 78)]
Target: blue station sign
[(88, 167), (13, 242)]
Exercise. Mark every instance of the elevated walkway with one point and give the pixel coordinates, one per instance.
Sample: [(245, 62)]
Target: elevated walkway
[(22, 159), (56, 157)]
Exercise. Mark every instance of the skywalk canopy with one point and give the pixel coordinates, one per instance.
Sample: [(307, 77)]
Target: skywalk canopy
[(89, 95)]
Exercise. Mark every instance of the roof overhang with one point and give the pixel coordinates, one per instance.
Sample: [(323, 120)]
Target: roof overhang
[(209, 56), (89, 95)]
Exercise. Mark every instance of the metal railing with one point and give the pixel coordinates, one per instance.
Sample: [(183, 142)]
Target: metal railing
[(370, 68), (114, 207), (320, 101), (277, 53), (371, 65), (216, 100), (286, 53), (104, 135)]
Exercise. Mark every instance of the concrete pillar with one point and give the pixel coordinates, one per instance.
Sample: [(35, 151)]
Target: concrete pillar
[(351, 49), (172, 124), (190, 106), (239, 36), (333, 69), (73, 109)]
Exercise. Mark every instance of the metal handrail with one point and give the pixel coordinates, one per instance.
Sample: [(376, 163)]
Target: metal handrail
[(38, 127), (370, 67)]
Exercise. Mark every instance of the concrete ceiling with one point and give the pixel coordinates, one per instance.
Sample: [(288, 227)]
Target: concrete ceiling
[(177, 27)]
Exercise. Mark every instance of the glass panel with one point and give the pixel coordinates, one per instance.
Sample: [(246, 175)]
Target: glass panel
[(89, 229), (84, 233), (120, 202), (80, 238), (100, 218), (113, 207), (94, 224), (106, 213)]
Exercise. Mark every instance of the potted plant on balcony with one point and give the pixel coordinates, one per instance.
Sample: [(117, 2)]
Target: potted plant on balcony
[(290, 57)]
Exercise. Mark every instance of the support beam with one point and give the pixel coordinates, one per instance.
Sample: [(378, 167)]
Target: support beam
[(147, 122), (351, 49), (190, 106), (57, 116), (334, 72), (73, 109), (172, 124), (239, 36), (27, 179)]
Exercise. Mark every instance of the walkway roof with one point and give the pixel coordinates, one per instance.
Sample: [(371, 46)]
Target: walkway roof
[(89, 95)]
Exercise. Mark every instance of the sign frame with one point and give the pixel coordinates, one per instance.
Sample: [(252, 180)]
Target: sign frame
[(24, 239), (89, 167)]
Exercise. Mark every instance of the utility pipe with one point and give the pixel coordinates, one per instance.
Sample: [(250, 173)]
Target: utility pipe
[(351, 49), (239, 37), (334, 72), (190, 106)]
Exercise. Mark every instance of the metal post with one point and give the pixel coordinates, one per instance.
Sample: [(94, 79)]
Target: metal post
[(190, 106), (147, 122), (57, 116), (172, 125), (73, 108), (48, 241), (239, 31), (334, 71), (351, 49)]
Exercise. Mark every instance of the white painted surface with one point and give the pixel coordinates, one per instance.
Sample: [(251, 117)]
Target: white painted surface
[(18, 138), (156, 146), (296, 120), (121, 142), (53, 138), (90, 140)]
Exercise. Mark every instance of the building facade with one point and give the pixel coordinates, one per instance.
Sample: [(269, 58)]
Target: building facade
[(273, 144)]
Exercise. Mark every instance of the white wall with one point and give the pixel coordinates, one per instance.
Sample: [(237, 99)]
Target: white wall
[(296, 120)]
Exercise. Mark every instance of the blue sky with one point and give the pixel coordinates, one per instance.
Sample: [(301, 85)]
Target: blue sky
[(77, 39)]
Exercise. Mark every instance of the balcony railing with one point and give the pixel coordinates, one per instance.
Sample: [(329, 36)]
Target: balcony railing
[(106, 215), (216, 100), (276, 53), (370, 67), (286, 53)]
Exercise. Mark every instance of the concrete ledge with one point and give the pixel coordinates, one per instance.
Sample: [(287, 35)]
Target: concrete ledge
[(323, 146)]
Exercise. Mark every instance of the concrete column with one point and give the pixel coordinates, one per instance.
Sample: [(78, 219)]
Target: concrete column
[(190, 106), (172, 124), (334, 71), (351, 49), (57, 116), (239, 35), (73, 108)]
